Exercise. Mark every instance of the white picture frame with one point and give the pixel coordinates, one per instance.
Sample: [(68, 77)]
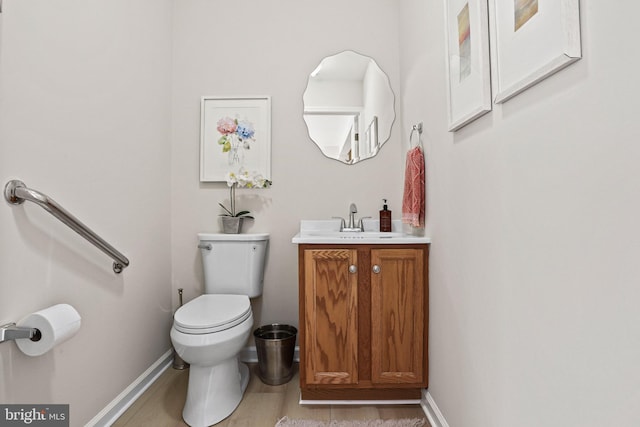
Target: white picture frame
[(531, 40), (468, 61), (235, 135)]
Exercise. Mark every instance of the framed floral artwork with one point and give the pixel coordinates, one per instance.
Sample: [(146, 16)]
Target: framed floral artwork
[(531, 40), (235, 137), (468, 64)]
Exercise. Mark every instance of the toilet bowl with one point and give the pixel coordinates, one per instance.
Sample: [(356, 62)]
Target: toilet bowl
[(208, 333)]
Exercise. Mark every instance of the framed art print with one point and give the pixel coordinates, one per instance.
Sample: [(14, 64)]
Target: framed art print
[(468, 63), (235, 136), (531, 40)]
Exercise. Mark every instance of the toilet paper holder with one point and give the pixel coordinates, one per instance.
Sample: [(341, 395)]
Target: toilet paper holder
[(11, 331)]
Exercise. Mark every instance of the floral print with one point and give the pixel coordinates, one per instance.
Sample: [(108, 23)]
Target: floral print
[(236, 136)]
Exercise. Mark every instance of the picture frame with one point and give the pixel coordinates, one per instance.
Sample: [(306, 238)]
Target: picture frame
[(235, 135), (468, 61), (531, 40)]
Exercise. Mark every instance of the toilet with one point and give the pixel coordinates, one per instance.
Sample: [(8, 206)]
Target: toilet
[(209, 331)]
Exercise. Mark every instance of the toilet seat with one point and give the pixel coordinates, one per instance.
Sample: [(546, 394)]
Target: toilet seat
[(212, 313)]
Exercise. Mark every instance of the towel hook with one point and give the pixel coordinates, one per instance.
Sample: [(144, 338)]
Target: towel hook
[(416, 128)]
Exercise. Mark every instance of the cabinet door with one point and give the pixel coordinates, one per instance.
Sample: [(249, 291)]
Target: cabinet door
[(331, 316), (397, 316)]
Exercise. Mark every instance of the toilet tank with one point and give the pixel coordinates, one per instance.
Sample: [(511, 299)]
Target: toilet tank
[(233, 263)]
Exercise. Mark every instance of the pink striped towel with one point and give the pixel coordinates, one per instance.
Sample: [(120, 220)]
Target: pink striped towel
[(413, 210)]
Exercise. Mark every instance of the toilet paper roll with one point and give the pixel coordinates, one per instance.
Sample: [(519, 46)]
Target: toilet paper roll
[(57, 324)]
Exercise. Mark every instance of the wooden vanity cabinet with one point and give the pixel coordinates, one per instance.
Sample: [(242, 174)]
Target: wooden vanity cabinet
[(363, 321)]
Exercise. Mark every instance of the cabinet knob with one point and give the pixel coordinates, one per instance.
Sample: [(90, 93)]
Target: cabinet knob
[(353, 269), (376, 269)]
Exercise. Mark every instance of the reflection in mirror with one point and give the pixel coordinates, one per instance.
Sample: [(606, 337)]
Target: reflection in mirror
[(349, 107)]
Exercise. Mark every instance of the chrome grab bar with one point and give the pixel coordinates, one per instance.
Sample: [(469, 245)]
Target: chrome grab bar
[(16, 192)]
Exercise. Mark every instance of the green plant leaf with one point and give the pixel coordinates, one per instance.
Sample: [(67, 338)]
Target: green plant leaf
[(228, 212)]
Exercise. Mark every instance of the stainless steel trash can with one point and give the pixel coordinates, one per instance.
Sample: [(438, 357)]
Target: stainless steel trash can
[(275, 344)]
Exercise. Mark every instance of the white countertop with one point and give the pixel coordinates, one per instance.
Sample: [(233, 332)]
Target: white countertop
[(327, 231)]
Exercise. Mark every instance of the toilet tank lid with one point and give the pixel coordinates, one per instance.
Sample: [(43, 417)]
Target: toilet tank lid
[(221, 237)]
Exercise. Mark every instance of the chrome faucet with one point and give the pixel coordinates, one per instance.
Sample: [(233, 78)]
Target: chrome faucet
[(353, 210), (343, 223), (352, 226)]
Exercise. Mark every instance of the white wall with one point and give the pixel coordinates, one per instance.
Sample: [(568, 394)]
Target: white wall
[(262, 48), (533, 210), (95, 112), (84, 118)]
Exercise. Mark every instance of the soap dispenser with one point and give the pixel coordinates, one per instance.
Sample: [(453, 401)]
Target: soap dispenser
[(385, 217)]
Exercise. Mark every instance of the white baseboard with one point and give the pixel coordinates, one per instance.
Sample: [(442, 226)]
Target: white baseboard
[(431, 410), (124, 400), (359, 402)]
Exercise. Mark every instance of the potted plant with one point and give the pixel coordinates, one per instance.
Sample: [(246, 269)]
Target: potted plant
[(231, 218)]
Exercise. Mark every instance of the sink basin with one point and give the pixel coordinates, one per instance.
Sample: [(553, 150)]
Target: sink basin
[(328, 231)]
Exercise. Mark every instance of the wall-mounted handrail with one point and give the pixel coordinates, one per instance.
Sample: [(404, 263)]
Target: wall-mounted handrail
[(16, 192)]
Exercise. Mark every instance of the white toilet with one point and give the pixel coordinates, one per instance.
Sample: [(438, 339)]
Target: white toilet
[(209, 331)]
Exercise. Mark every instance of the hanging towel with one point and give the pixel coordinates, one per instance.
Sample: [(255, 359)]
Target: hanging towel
[(414, 195)]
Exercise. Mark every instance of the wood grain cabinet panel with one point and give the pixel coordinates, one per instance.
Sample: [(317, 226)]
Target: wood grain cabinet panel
[(331, 321), (363, 321), (397, 316)]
